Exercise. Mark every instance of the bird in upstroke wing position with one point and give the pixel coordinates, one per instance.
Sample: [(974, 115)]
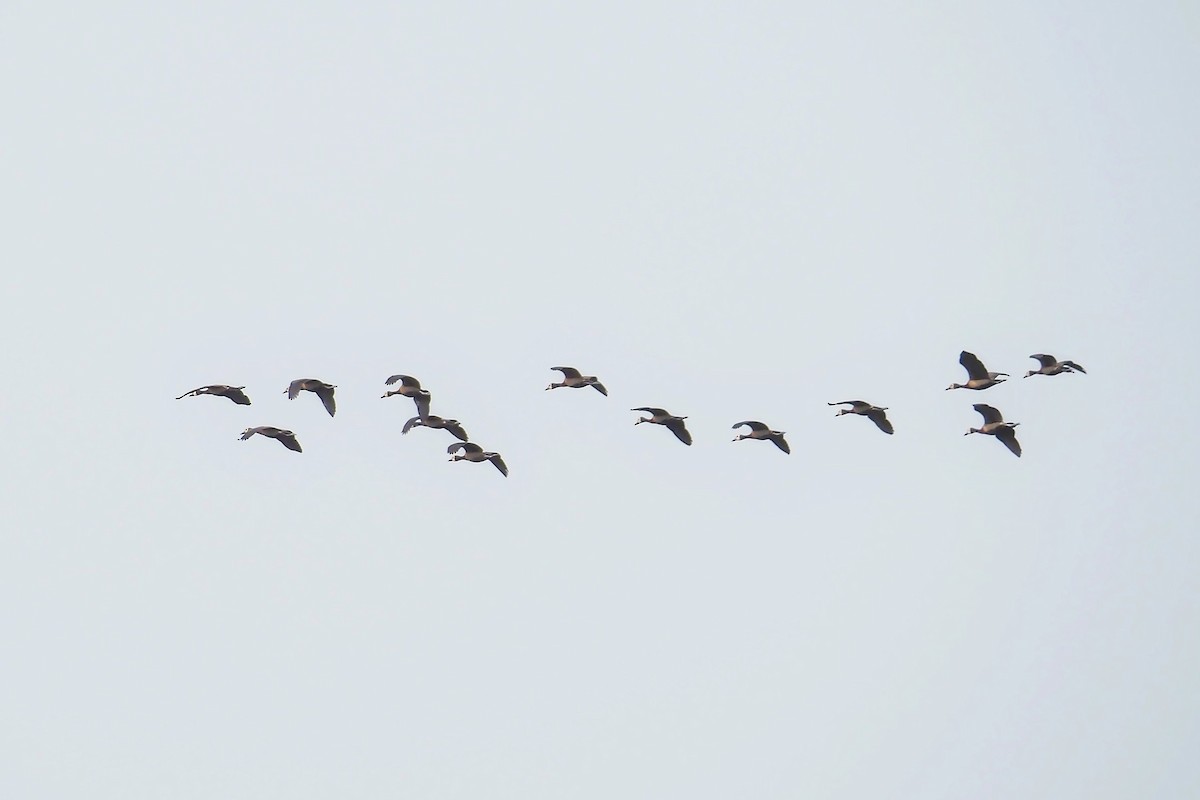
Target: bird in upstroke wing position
[(978, 375)]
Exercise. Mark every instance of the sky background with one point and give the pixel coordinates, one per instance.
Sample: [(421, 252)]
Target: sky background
[(732, 210)]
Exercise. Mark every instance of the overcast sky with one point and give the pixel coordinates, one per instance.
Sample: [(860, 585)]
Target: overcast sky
[(732, 210)]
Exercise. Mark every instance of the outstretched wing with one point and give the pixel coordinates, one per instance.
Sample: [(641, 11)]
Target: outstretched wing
[(990, 413), (1045, 360), (680, 430), (599, 387), (1075, 367), (499, 463), (422, 401), (294, 388), (412, 423), (405, 380), (236, 394), (468, 447), (288, 440), (654, 412), (456, 429), (858, 404), (879, 417), (246, 434), (974, 366), (326, 395), (752, 425), (781, 443), (568, 372), (1009, 437)]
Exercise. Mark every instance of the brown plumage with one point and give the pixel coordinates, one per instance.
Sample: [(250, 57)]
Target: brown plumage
[(284, 437), (864, 409), (234, 393), (473, 452), (573, 380), (759, 430), (977, 374), (410, 387), (319, 388), (1052, 366), (994, 425), (660, 416), (432, 421)]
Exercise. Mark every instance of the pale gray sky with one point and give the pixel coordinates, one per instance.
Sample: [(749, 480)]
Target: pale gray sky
[(735, 211)]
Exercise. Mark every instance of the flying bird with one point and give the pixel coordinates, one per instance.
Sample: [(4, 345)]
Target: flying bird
[(1052, 366), (410, 387), (286, 438), (234, 393), (873, 413), (660, 416), (994, 425), (573, 380), (977, 374), (319, 388), (473, 452), (433, 421), (759, 430)]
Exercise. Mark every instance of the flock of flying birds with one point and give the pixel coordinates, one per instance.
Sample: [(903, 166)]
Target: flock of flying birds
[(978, 378)]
